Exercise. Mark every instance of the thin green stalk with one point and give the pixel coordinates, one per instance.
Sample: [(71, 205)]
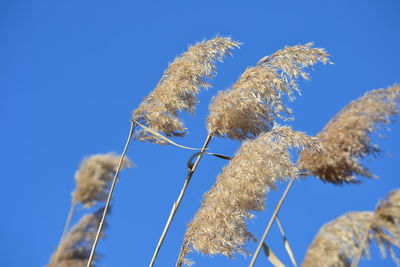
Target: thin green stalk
[(275, 213), (133, 126), (176, 204)]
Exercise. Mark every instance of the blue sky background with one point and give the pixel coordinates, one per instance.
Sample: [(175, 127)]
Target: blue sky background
[(71, 72)]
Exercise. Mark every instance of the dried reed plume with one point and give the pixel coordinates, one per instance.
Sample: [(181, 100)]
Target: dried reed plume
[(255, 100), (385, 226), (94, 176), (219, 227), (75, 248), (346, 138), (340, 240), (179, 86)]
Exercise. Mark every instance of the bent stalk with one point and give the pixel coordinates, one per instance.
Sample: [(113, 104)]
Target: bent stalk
[(176, 204)]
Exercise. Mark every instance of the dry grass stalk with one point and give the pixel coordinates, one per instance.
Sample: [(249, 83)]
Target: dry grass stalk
[(219, 227), (179, 86), (255, 100), (339, 241), (346, 138), (94, 176), (110, 194), (177, 203), (75, 248)]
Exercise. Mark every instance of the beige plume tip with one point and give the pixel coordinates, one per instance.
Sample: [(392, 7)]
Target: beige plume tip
[(346, 138), (93, 178), (255, 101), (179, 86), (219, 227)]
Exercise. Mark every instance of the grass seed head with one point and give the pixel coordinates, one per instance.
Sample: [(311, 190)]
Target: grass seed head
[(93, 178), (179, 86), (346, 138), (252, 104), (74, 249), (219, 227), (338, 241)]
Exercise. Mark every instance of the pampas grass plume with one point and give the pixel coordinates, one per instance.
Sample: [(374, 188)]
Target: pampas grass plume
[(346, 138), (252, 104), (338, 241), (219, 227), (93, 178), (75, 247), (179, 86)]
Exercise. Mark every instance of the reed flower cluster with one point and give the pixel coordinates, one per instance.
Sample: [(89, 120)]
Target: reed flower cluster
[(92, 181), (93, 178), (219, 227), (75, 247), (178, 88), (346, 138), (251, 105), (338, 241)]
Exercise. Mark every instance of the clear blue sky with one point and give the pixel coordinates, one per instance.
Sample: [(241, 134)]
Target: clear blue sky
[(71, 72)]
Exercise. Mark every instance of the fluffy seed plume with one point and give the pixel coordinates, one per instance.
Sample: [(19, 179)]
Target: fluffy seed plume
[(179, 86), (386, 224), (219, 227), (346, 138), (338, 241), (255, 100), (93, 178), (75, 247)]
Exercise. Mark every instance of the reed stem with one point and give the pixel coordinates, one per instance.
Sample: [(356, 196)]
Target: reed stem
[(67, 224), (176, 204), (275, 213), (133, 126), (69, 218)]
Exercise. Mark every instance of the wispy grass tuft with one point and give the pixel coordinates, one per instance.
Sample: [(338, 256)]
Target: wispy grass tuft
[(94, 176), (219, 227), (339, 241), (75, 247), (93, 179), (252, 104), (178, 88), (346, 138)]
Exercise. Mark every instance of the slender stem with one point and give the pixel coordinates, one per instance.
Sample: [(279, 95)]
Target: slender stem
[(276, 211), (176, 204), (286, 242), (133, 126), (67, 223), (69, 218)]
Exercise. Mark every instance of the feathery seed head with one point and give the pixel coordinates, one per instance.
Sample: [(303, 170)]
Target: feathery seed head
[(75, 247), (338, 241), (179, 86), (346, 138), (93, 178), (219, 227), (386, 224), (255, 100)]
